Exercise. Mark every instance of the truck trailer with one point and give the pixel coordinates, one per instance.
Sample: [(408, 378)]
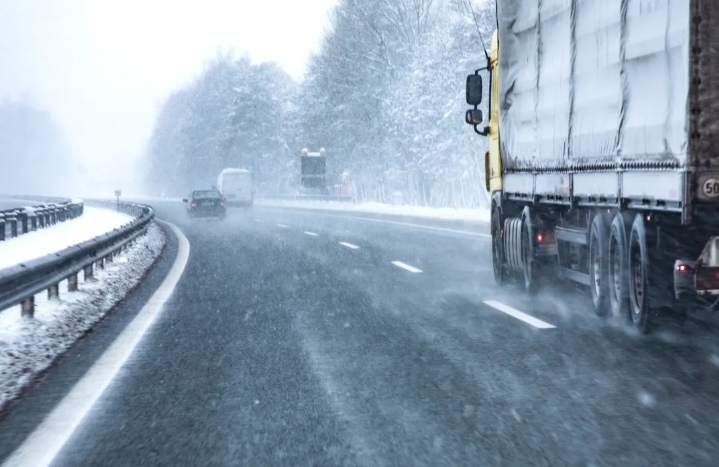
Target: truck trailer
[(603, 150)]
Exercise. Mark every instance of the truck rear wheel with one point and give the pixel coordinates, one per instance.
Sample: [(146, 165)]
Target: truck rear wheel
[(529, 262), (639, 284), (618, 269), (500, 269), (599, 264)]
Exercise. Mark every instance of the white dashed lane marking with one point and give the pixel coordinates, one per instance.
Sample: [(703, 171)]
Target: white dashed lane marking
[(406, 267), (520, 315), (349, 245), (311, 234)]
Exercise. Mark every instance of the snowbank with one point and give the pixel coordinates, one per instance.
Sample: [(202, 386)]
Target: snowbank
[(29, 346), (92, 223), (468, 215)]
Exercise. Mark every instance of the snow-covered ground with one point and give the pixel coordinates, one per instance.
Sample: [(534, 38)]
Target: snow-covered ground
[(468, 215), (29, 346), (92, 223)]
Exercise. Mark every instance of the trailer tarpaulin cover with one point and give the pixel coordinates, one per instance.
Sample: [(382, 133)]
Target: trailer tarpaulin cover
[(594, 83)]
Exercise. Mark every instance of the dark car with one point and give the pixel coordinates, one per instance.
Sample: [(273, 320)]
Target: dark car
[(205, 203)]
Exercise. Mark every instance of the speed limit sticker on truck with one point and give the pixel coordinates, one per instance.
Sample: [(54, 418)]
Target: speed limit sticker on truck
[(710, 187)]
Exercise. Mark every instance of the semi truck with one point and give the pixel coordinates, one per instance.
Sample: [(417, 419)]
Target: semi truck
[(603, 150), (313, 170)]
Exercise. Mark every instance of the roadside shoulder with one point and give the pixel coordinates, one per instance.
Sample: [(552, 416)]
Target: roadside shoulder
[(49, 372)]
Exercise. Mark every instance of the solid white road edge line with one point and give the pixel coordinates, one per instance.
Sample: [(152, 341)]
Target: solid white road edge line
[(283, 226), (43, 444), (349, 245), (406, 266), (311, 234), (513, 312)]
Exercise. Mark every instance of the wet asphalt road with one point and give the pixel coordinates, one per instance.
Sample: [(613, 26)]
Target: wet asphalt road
[(283, 346)]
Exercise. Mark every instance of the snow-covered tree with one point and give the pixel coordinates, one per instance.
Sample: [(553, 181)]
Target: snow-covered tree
[(384, 96), (233, 115)]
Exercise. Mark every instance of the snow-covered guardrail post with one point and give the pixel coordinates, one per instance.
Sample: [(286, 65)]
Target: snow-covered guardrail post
[(53, 291), (22, 217), (88, 273), (72, 282), (12, 220), (27, 308), (32, 217)]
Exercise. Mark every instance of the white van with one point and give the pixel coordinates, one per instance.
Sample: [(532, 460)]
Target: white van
[(236, 186)]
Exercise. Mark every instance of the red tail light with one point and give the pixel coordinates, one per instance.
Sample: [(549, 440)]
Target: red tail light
[(222, 204), (193, 204)]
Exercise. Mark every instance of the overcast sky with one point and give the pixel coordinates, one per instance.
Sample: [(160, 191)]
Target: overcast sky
[(102, 68)]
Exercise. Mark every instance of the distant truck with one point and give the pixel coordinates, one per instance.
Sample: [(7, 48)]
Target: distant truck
[(603, 150), (237, 187), (314, 170)]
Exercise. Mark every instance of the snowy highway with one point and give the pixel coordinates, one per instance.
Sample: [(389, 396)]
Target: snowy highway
[(316, 338)]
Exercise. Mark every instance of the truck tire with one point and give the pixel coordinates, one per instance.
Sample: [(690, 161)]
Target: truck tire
[(529, 263), (501, 275), (618, 269), (598, 262), (640, 292)]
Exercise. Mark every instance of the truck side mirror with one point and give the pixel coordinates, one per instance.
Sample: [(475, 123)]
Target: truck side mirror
[(474, 90), (474, 117)]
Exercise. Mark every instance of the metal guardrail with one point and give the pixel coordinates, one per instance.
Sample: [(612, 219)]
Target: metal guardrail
[(20, 283), (18, 221), (334, 198)]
